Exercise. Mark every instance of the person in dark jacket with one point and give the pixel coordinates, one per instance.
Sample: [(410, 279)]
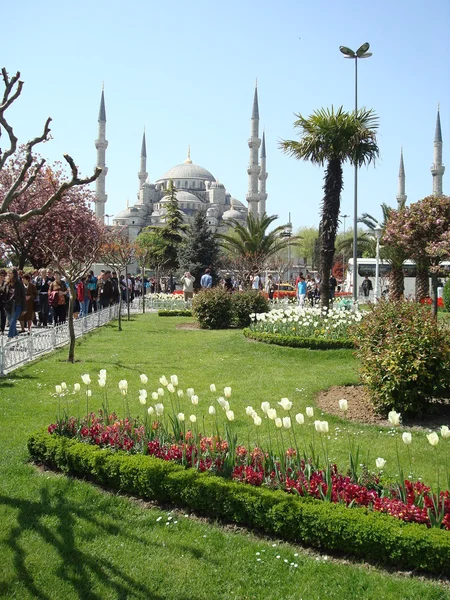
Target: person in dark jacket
[(15, 301), (3, 295), (106, 291)]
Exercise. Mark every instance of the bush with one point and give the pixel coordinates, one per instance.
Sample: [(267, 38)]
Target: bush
[(174, 313), (245, 303), (313, 343), (446, 295), (213, 308), (405, 356), (365, 534)]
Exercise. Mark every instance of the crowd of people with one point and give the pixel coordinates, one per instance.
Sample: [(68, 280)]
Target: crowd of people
[(41, 298)]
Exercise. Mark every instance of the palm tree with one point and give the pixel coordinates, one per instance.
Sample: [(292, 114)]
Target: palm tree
[(333, 137), (393, 254), (250, 246)]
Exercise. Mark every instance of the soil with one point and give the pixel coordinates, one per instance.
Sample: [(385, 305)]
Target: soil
[(361, 410), (187, 326)]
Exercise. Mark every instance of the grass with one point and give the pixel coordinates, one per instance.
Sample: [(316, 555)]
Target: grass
[(64, 538)]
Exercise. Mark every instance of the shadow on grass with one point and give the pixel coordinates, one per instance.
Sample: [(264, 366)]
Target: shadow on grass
[(10, 379), (77, 567)]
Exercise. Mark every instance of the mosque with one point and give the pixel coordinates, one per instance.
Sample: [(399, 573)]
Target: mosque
[(196, 188)]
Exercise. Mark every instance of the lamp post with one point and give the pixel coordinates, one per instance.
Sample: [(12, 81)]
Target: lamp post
[(378, 230), (288, 233), (107, 216), (360, 53)]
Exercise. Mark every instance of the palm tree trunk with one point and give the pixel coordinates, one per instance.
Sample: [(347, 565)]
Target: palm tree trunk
[(422, 283), (329, 223), (396, 282)]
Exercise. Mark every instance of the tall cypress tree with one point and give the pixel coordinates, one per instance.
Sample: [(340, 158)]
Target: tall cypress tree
[(199, 249), (172, 230)]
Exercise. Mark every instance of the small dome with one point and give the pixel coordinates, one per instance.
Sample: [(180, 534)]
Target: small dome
[(187, 171), (212, 211), (147, 184), (216, 184), (232, 214), (183, 196), (237, 203)]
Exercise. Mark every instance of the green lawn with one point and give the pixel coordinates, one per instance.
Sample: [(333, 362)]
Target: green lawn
[(63, 538)]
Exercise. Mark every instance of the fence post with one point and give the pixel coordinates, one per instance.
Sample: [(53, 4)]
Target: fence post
[(30, 347), (53, 336)]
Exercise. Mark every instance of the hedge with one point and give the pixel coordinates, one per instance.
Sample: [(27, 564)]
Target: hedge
[(298, 342), (175, 313), (332, 527)]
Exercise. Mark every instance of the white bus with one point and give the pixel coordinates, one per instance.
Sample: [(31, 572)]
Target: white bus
[(367, 266)]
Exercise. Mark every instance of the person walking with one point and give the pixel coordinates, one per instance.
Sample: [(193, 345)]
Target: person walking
[(206, 279), (301, 291), (366, 287), (3, 296), (30, 296), (15, 301), (57, 297)]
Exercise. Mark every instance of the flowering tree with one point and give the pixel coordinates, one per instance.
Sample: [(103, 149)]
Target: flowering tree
[(118, 252), (73, 253), (421, 230), (30, 240), (31, 167)]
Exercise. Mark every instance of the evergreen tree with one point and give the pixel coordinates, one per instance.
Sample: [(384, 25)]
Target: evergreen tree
[(199, 249)]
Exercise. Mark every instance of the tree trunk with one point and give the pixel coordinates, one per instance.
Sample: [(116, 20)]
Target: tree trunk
[(72, 293), (128, 294), (422, 283), (329, 224), (143, 289), (434, 294), (120, 301), (396, 283)]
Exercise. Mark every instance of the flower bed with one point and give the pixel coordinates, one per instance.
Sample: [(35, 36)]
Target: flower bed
[(290, 341), (307, 322), (174, 313)]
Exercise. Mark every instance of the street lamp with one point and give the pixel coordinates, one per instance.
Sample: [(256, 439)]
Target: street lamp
[(378, 230), (107, 216), (360, 53), (288, 233)]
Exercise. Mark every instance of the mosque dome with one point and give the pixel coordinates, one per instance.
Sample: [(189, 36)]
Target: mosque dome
[(183, 197), (232, 214), (187, 171)]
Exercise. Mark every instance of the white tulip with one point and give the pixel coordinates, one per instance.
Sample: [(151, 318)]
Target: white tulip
[(212, 387), (445, 432), (309, 411), (64, 385), (343, 405), (227, 392), (285, 403), (180, 393), (155, 395), (159, 408), (102, 374), (212, 410), (190, 392), (76, 387), (193, 419), (123, 392), (150, 410), (143, 393), (102, 383), (226, 406), (230, 415), (123, 384), (394, 418), (287, 422), (89, 393), (265, 407), (58, 389), (407, 438), (221, 401), (257, 421), (160, 392), (180, 416), (433, 438), (142, 400), (174, 380), (272, 414), (321, 426), (86, 379), (171, 388), (249, 411), (278, 422), (144, 379), (380, 462), (163, 380), (300, 418), (194, 400)]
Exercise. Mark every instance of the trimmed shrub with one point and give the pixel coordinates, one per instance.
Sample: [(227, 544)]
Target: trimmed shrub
[(298, 342), (245, 303), (365, 534), (405, 356), (212, 308), (174, 313), (446, 295)]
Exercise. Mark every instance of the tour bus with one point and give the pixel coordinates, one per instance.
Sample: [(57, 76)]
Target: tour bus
[(367, 266)]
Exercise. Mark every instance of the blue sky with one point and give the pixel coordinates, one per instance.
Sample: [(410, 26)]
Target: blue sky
[(186, 71)]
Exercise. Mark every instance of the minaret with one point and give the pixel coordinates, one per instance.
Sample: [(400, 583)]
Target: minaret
[(401, 196), (101, 144), (253, 168), (437, 169), (262, 179), (143, 170)]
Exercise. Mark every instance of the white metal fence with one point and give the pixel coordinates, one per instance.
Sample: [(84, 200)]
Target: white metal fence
[(25, 348)]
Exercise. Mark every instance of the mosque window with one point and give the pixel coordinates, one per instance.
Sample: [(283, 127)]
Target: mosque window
[(193, 184), (185, 184), (178, 184)]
